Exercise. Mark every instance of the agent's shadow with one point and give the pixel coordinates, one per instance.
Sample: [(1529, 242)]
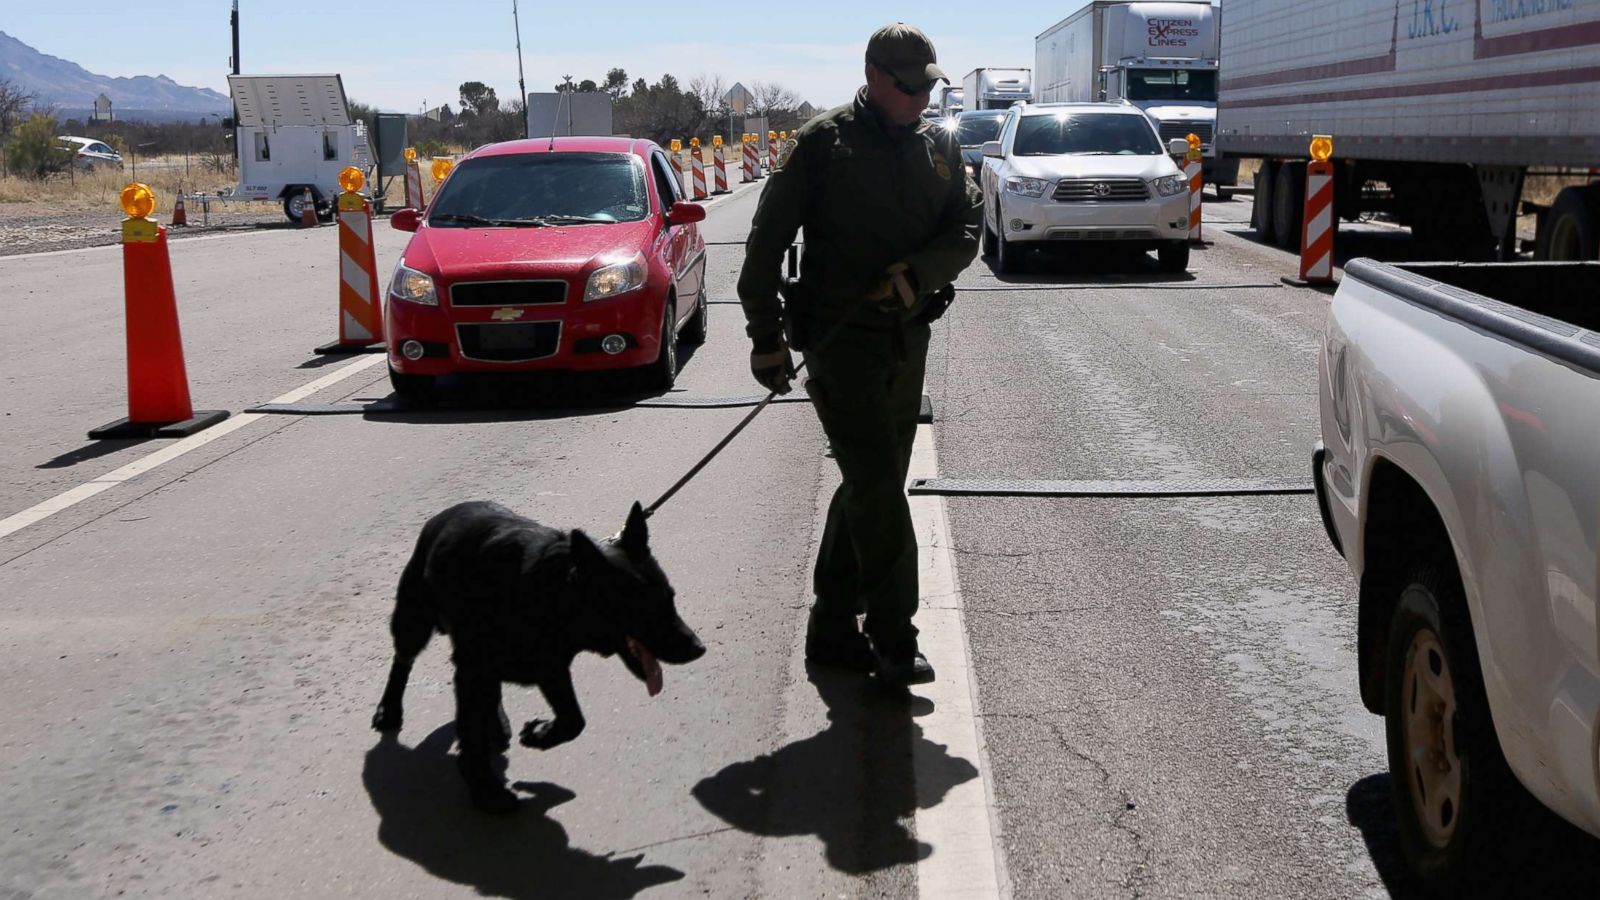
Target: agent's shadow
[(425, 817), (852, 785)]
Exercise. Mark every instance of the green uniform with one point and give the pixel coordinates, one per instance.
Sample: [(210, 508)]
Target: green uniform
[(868, 197)]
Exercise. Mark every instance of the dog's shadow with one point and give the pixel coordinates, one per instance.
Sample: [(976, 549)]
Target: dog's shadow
[(852, 785), (426, 818)]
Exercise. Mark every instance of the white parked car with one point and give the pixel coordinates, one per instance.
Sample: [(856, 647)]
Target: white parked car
[(1083, 172), (88, 153)]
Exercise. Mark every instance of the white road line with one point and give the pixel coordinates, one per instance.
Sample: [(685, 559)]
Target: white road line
[(117, 245), (41, 511), (959, 825)]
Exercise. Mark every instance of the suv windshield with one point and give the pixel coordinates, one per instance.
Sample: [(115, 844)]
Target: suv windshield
[(1100, 134), (974, 130), (1171, 84), (542, 188)]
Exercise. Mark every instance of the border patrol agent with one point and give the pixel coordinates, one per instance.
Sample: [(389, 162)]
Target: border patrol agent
[(890, 220)]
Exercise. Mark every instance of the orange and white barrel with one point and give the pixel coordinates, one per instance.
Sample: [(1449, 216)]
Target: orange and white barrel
[(698, 164), (360, 317), (1316, 243), (1194, 169)]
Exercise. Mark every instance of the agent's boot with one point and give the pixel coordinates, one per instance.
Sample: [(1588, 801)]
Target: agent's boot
[(838, 644), (903, 667)]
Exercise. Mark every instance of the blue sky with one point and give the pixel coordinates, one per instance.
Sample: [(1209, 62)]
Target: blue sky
[(400, 53)]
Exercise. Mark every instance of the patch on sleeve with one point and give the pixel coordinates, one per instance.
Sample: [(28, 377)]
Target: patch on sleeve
[(941, 167)]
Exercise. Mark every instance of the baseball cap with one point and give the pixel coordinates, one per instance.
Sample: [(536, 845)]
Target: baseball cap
[(905, 52)]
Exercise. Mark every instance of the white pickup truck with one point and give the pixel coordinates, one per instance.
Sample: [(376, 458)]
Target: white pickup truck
[(1459, 475)]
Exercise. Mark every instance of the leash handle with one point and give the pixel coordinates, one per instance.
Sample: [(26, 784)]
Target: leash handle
[(650, 510)]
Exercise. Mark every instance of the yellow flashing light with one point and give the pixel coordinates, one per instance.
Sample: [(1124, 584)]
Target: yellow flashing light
[(716, 140), (677, 145), (694, 143), (772, 135), (411, 154), (1194, 141), (351, 179), (138, 201), (1322, 147), (441, 168)]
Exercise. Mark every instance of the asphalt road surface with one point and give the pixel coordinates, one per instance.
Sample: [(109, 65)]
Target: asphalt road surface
[(1164, 689)]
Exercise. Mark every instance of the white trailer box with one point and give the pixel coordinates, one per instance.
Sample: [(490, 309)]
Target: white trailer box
[(1159, 56), (951, 100), (558, 114), (295, 132), (1420, 98), (991, 88)]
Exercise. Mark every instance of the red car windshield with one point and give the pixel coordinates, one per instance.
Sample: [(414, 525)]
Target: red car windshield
[(542, 188)]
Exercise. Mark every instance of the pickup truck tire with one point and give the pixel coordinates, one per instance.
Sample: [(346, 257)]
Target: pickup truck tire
[(988, 240), (1457, 804), (1289, 205), (417, 389), (1174, 257), (1261, 202), (1008, 257)]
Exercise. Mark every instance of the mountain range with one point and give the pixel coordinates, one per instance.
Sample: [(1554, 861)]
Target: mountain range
[(70, 87)]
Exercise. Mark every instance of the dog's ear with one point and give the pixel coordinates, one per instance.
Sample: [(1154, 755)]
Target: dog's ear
[(636, 534), (586, 555)]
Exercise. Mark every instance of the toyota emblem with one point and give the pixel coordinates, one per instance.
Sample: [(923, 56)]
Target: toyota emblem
[(1101, 189)]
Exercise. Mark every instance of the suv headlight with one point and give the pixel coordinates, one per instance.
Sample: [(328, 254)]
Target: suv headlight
[(412, 286), (1026, 187), (1171, 185), (618, 278)]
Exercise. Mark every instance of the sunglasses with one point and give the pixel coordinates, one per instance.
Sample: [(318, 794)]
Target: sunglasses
[(909, 90)]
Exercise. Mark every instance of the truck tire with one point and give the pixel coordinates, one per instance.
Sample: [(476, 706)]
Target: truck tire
[(988, 240), (1457, 804), (1571, 229), (294, 201), (1289, 205), (1174, 257), (1008, 256), (1261, 201)]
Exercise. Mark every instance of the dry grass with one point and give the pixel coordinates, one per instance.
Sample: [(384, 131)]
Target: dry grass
[(97, 190)]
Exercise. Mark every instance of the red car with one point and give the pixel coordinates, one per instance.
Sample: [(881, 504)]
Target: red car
[(576, 254)]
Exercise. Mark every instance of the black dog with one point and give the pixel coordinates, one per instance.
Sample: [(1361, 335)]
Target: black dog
[(519, 601)]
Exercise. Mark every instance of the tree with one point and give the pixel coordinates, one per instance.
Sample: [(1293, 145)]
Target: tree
[(478, 98), (616, 83), (33, 150), (13, 101)]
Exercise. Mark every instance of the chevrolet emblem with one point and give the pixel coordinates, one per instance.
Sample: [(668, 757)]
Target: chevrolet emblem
[(506, 314)]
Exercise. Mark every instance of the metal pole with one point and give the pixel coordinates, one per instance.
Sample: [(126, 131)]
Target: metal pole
[(522, 87), (233, 23)]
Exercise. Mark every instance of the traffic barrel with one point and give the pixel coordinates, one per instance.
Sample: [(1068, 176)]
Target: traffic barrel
[(413, 180), (308, 210), (360, 312), (698, 162), (752, 171), (180, 215), (1194, 169), (1316, 237), (722, 164), (772, 151), (677, 165), (158, 381)]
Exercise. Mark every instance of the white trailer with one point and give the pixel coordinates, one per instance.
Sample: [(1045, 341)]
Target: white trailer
[(1160, 56), (294, 132), (951, 100), (1437, 109), (991, 88)]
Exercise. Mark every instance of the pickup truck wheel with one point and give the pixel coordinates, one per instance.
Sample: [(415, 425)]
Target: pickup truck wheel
[(1261, 202), (1008, 257), (416, 389), (988, 240), (1454, 795)]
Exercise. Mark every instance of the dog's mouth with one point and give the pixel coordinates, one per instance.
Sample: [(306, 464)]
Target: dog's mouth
[(647, 668)]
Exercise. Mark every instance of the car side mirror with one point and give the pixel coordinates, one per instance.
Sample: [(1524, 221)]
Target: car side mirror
[(1177, 147), (991, 149), (684, 213), (405, 219)]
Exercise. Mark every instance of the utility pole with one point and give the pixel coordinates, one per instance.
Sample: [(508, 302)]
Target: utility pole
[(522, 88), (233, 62)]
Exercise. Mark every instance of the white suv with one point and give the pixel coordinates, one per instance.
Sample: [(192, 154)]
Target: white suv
[(1089, 172)]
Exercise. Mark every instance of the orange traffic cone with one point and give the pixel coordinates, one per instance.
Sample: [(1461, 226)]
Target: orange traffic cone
[(308, 211), (158, 383), (180, 216)]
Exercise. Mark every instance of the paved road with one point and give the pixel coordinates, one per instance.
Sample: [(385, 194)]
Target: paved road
[(1164, 688)]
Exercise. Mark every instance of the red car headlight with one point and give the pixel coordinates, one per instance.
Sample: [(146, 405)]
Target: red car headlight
[(615, 279)]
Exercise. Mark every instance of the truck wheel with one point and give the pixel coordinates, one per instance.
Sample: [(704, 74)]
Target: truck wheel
[(1008, 257), (417, 389), (1454, 794), (988, 240), (1261, 202), (294, 203), (1174, 257), (1289, 205), (1572, 226)]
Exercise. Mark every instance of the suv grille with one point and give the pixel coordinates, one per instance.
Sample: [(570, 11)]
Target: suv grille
[(508, 293), (1102, 190), (1182, 130)]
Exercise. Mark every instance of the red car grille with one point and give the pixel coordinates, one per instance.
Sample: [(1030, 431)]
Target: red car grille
[(513, 342)]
